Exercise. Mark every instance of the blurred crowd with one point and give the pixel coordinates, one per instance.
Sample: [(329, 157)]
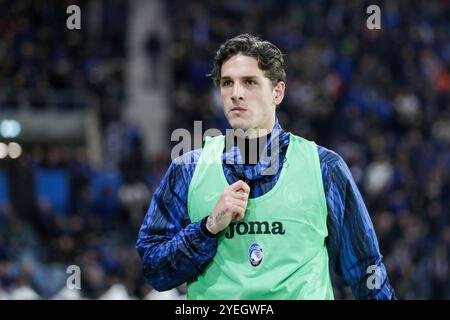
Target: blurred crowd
[(92, 225), (380, 98), (56, 208), (45, 65)]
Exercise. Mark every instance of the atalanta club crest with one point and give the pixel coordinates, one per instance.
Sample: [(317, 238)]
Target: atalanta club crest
[(255, 254)]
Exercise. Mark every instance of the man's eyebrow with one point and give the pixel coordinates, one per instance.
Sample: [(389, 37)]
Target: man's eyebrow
[(244, 77)]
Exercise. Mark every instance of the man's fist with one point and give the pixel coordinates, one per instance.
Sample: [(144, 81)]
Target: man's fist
[(230, 206)]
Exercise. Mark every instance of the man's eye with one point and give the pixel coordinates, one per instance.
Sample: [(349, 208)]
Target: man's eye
[(226, 83), (250, 82)]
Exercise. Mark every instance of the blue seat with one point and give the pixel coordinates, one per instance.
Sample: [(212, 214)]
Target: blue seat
[(4, 190), (104, 191), (53, 185)]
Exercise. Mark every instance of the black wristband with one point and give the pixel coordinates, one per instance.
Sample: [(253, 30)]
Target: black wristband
[(204, 229)]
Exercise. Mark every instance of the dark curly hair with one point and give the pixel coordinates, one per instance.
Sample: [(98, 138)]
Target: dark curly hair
[(270, 58)]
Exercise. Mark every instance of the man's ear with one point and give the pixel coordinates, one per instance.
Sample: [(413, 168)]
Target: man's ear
[(279, 92)]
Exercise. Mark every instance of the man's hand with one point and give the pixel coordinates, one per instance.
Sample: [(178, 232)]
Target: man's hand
[(230, 206)]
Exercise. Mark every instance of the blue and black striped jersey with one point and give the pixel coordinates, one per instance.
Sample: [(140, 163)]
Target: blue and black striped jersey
[(173, 250)]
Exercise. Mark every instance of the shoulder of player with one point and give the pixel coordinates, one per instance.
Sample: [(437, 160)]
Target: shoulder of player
[(329, 158), (188, 158)]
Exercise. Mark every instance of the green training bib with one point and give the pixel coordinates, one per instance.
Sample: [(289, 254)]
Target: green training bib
[(278, 250)]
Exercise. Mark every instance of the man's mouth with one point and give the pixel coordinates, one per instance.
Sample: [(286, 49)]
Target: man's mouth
[(238, 109)]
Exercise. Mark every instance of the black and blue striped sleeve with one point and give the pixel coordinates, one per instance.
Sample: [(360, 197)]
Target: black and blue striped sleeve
[(172, 249), (352, 243)]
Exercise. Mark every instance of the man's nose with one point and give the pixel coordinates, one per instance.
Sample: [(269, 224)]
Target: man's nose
[(237, 92)]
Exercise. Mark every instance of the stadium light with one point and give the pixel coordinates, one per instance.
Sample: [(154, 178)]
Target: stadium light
[(10, 128), (14, 149), (3, 150)]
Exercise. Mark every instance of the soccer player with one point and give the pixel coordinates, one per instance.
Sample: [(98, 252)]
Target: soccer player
[(237, 230)]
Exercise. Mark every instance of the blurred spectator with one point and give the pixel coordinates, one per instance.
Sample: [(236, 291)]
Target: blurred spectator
[(154, 50)]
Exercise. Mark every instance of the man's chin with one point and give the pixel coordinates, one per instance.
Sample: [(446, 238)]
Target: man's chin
[(242, 125), (244, 131)]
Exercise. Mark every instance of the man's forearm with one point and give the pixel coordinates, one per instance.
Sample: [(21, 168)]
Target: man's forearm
[(352, 242), (374, 284), (169, 262)]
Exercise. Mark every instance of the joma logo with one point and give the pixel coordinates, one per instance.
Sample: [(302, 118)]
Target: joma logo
[(254, 227)]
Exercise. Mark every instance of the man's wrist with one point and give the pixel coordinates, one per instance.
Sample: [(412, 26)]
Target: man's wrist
[(205, 229)]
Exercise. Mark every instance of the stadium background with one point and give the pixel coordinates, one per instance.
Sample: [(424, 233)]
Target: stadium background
[(86, 117)]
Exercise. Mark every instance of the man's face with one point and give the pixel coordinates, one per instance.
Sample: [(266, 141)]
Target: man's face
[(248, 97)]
